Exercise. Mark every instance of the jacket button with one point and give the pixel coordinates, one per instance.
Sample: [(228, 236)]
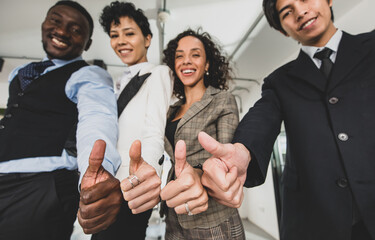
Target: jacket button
[(333, 100), (15, 105), (342, 182), (2, 127), (8, 115), (343, 137), (20, 94)]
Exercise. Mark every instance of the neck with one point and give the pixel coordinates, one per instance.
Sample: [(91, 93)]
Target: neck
[(194, 94)]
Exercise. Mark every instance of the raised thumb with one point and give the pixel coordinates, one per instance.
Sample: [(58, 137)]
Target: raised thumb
[(180, 157), (96, 156), (135, 154), (211, 145)]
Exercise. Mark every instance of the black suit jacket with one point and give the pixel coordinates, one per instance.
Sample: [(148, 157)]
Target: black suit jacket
[(330, 141)]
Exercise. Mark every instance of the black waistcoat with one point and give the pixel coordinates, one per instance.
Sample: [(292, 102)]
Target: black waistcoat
[(38, 120)]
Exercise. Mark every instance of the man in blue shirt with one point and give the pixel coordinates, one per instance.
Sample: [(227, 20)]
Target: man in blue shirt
[(38, 172)]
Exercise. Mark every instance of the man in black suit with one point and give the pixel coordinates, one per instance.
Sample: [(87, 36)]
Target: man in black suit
[(325, 99)]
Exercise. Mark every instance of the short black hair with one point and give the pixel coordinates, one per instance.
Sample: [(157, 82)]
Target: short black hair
[(115, 10), (219, 71), (273, 16), (80, 9)]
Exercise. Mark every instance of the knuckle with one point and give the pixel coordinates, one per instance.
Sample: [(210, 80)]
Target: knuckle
[(188, 181), (205, 207), (226, 187), (155, 184), (84, 213)]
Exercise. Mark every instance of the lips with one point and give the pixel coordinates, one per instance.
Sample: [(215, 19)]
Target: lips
[(188, 72), (307, 24), (124, 52), (58, 41)]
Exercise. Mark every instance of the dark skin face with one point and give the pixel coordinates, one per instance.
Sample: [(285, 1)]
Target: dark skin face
[(65, 33)]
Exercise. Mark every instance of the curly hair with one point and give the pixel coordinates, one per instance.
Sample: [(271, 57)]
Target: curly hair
[(272, 15), (219, 70), (115, 10)]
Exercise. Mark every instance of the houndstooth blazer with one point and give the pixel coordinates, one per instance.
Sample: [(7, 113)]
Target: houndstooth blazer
[(217, 115)]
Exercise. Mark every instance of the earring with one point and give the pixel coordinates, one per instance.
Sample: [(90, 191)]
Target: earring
[(207, 73)]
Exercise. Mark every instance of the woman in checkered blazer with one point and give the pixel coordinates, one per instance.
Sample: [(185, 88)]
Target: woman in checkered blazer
[(201, 73)]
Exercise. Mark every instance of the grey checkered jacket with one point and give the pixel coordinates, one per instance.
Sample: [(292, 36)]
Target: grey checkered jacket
[(217, 115)]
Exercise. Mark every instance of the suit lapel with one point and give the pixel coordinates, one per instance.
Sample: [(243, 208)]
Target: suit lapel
[(198, 106), (130, 91), (349, 55), (305, 69)]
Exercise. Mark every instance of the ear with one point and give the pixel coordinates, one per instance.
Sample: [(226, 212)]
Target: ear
[(148, 41), (330, 3), (207, 66), (88, 44)]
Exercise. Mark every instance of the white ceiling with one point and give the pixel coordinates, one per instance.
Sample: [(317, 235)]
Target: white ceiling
[(226, 20)]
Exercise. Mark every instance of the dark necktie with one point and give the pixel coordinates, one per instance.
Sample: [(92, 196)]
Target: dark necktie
[(32, 71), (327, 64)]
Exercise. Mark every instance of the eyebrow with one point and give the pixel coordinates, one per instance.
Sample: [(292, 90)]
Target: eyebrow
[(123, 29), (56, 13), (193, 49), (281, 10)]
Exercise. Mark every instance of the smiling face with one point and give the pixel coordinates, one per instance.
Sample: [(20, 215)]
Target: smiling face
[(128, 41), (65, 33), (307, 21), (190, 61)]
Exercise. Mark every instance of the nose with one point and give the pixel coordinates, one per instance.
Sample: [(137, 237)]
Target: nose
[(186, 60), (122, 40), (301, 9), (62, 31)]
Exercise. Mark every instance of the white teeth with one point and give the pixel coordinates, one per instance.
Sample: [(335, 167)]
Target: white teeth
[(188, 71), (308, 23), (124, 51), (61, 44)]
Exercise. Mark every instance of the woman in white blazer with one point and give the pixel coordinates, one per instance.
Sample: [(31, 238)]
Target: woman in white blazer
[(143, 118)]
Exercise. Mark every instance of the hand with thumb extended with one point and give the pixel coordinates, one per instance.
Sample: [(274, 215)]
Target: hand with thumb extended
[(186, 191), (95, 172), (100, 197), (225, 172), (142, 188)]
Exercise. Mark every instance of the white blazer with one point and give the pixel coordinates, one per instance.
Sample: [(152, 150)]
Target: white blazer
[(144, 118)]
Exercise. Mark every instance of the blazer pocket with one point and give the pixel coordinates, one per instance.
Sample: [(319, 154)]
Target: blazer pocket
[(290, 178)]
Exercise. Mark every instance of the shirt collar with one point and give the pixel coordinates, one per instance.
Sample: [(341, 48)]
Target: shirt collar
[(332, 44), (61, 62), (134, 69)]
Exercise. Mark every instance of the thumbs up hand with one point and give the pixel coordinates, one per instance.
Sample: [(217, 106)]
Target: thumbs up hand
[(225, 172), (142, 188), (185, 194), (100, 197)]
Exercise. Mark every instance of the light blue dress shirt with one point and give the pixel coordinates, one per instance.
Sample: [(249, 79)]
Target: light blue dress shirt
[(91, 88)]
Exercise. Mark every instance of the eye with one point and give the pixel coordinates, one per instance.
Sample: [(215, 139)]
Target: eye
[(76, 30), (196, 55), (129, 34), (54, 20), (178, 56), (286, 13), (112, 36)]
